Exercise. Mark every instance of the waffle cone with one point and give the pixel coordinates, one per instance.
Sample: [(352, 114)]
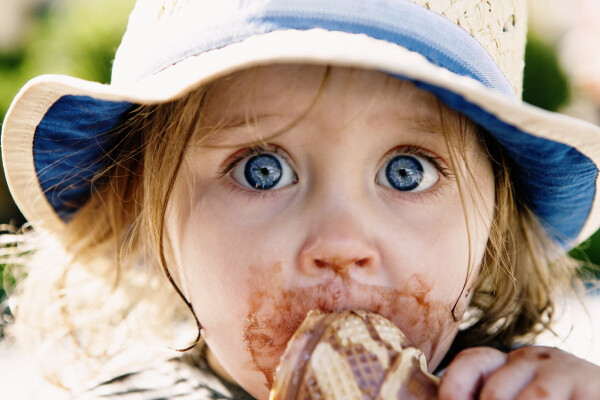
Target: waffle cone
[(351, 355)]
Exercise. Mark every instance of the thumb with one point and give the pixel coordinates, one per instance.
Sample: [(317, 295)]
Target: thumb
[(465, 375)]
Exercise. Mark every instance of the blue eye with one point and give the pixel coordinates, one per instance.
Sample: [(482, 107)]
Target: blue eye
[(408, 173), (263, 172)]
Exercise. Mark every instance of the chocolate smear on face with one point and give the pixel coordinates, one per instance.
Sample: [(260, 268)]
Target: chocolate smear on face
[(275, 312)]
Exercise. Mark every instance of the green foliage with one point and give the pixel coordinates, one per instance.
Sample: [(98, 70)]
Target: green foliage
[(77, 38), (589, 253), (545, 84)]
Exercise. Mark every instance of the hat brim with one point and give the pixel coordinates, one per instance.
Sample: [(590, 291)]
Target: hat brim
[(557, 156)]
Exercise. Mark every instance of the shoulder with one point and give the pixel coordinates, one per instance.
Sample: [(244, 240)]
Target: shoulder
[(178, 378)]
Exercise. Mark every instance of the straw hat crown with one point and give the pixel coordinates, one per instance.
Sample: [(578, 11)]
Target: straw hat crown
[(500, 26)]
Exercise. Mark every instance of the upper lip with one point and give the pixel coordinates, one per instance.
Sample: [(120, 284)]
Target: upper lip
[(344, 293)]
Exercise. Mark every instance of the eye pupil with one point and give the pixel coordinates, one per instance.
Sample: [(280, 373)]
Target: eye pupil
[(404, 173), (263, 171)]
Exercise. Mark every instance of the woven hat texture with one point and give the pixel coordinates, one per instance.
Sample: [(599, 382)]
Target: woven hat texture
[(500, 26)]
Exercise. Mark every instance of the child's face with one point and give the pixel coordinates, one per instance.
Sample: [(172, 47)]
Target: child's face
[(360, 208)]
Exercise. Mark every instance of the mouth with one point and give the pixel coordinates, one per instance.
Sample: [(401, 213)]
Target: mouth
[(275, 315)]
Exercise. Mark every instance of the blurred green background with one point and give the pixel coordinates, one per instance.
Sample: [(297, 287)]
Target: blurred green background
[(79, 38)]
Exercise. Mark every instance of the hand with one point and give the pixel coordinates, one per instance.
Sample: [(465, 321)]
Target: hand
[(527, 373)]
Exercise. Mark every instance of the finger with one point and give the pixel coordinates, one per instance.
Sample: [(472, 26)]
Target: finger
[(512, 378), (467, 372), (547, 389)]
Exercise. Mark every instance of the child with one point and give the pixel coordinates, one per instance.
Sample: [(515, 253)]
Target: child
[(273, 157)]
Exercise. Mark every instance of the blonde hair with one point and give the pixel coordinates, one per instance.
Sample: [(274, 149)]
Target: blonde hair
[(523, 271), (103, 276)]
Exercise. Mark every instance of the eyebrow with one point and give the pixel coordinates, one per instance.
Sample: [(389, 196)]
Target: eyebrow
[(422, 122), (228, 127), (240, 120)]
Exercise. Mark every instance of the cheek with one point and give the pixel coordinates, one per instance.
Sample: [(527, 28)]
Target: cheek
[(428, 310), (438, 244), (445, 249), (221, 282)]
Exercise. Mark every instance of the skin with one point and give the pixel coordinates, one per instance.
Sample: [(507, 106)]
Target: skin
[(527, 373), (334, 236)]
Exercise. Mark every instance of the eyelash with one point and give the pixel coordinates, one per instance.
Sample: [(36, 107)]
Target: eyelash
[(239, 156), (446, 174), (436, 161)]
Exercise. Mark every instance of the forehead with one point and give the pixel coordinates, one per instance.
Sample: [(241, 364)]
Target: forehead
[(292, 90)]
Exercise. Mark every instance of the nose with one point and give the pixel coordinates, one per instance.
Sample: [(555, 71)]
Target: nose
[(340, 248)]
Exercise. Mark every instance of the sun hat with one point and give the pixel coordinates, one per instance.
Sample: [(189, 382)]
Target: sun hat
[(469, 53)]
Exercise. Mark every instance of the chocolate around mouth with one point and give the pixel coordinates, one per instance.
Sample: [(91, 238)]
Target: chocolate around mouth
[(275, 315)]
